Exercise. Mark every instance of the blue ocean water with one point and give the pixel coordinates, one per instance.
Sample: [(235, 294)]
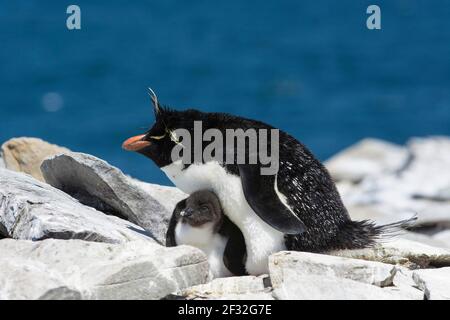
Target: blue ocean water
[(311, 68)]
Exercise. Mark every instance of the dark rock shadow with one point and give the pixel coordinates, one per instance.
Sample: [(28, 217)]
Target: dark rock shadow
[(144, 232), (94, 202), (3, 232)]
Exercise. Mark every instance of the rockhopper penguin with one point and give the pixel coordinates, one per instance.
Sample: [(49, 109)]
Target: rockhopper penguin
[(198, 221), (299, 208)]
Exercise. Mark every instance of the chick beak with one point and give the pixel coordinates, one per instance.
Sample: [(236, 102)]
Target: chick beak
[(135, 143)]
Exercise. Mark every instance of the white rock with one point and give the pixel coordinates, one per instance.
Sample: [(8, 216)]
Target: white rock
[(443, 237), (33, 210), (435, 283), (432, 241), (367, 157), (401, 251), (405, 285), (20, 279), (301, 275), (361, 205), (2, 163), (89, 270), (421, 187), (405, 293), (431, 158), (315, 287), (96, 183), (303, 264), (403, 278), (232, 288)]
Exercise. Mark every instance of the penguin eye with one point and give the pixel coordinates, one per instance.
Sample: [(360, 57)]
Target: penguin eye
[(204, 208)]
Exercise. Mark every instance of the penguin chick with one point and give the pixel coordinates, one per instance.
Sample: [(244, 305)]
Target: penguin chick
[(199, 221)]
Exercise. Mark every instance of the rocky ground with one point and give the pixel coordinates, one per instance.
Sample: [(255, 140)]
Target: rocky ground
[(74, 227)]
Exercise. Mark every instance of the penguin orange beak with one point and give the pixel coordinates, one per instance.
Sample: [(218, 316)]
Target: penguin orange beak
[(135, 143)]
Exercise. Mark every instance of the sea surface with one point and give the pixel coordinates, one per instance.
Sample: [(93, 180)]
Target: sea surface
[(311, 68)]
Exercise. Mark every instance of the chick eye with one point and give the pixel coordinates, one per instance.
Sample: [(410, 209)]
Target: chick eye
[(204, 208), (158, 137)]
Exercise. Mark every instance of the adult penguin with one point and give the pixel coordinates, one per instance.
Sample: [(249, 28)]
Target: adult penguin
[(298, 208)]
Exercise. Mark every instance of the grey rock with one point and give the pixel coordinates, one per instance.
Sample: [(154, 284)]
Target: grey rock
[(430, 158), (405, 285), (433, 241), (33, 210), (167, 196), (307, 276), (61, 293), (430, 214), (404, 252), (366, 158), (302, 264), (75, 269), (404, 293), (26, 155), (96, 183), (313, 287), (421, 186), (434, 282), (443, 237), (404, 278), (2, 163), (232, 288), (22, 280)]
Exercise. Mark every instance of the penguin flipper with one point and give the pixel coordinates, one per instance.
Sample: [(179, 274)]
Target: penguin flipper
[(260, 193), (234, 255), (170, 234)]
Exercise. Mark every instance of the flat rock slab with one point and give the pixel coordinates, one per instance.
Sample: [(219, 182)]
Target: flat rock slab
[(27, 154), (409, 253), (302, 275), (314, 287), (33, 210), (305, 263), (434, 282), (75, 269), (96, 183), (232, 288)]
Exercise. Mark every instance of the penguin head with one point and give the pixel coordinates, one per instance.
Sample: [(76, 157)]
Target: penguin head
[(202, 207), (158, 142)]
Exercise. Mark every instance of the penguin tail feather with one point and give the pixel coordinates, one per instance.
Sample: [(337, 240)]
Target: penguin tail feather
[(365, 233)]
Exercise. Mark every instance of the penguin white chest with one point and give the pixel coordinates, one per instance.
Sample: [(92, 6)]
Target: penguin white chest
[(261, 239), (204, 238)]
